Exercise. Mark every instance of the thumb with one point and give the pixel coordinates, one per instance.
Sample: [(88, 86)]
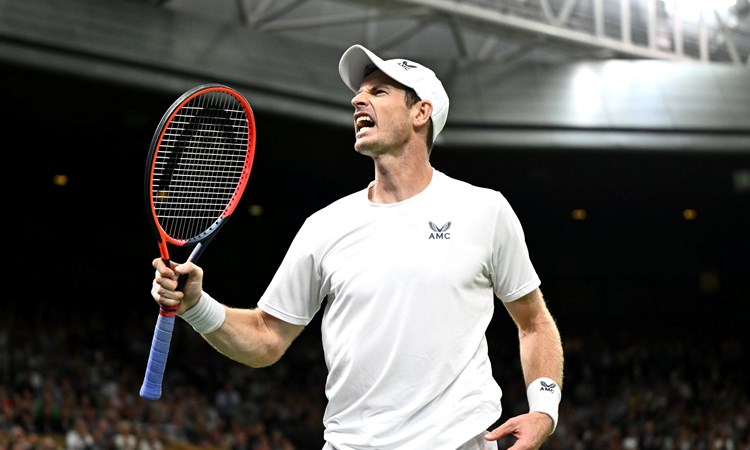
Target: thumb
[(184, 268)]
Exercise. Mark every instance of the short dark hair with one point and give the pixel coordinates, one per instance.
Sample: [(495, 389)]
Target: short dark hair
[(411, 99)]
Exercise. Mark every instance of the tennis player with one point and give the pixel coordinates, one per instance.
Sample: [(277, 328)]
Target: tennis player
[(408, 271)]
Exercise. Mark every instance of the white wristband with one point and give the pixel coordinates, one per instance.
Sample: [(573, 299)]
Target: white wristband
[(205, 316), (544, 396)]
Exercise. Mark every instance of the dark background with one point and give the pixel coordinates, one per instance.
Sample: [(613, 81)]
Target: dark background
[(652, 308), (80, 254), (635, 257)]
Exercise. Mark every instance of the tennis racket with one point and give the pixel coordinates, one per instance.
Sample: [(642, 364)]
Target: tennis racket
[(198, 166)]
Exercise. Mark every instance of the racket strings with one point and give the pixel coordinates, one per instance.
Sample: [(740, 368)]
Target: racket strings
[(202, 157)]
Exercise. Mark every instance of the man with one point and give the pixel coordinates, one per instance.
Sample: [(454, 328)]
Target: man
[(409, 269)]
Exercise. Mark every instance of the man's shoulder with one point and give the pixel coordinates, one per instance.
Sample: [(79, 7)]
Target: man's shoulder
[(343, 205), (465, 188)]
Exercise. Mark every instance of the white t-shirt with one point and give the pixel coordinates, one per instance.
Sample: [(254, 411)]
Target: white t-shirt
[(410, 294)]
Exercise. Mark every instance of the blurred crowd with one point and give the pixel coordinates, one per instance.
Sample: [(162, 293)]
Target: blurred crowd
[(71, 381)]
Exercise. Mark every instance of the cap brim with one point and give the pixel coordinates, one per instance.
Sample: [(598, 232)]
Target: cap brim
[(353, 63)]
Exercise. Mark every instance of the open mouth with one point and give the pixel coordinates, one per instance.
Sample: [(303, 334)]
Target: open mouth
[(364, 122)]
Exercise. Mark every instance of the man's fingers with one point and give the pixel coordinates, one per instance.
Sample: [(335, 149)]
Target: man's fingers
[(505, 429), (166, 296)]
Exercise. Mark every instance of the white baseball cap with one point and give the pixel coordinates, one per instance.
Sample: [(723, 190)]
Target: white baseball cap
[(357, 62)]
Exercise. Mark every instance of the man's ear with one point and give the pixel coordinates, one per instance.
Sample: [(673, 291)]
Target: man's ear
[(424, 111)]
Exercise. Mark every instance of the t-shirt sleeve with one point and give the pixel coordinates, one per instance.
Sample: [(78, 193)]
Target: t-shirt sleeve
[(513, 274), (294, 294)]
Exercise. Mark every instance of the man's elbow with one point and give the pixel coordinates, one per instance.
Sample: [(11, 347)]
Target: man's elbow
[(270, 355)]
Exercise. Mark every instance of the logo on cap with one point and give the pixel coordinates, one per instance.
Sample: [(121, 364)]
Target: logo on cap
[(405, 65)]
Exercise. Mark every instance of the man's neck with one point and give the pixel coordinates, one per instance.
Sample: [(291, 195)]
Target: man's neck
[(397, 180)]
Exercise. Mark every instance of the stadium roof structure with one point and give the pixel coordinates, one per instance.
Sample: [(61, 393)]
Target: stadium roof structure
[(460, 33)]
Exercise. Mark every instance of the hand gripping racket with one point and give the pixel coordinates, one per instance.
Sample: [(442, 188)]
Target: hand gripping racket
[(197, 169)]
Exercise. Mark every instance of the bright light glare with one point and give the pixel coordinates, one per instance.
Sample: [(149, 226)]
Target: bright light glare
[(692, 9), (587, 88)]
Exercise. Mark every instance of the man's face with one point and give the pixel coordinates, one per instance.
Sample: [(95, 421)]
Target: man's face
[(382, 121)]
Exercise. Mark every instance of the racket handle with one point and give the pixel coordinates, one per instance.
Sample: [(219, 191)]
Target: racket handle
[(157, 358)]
